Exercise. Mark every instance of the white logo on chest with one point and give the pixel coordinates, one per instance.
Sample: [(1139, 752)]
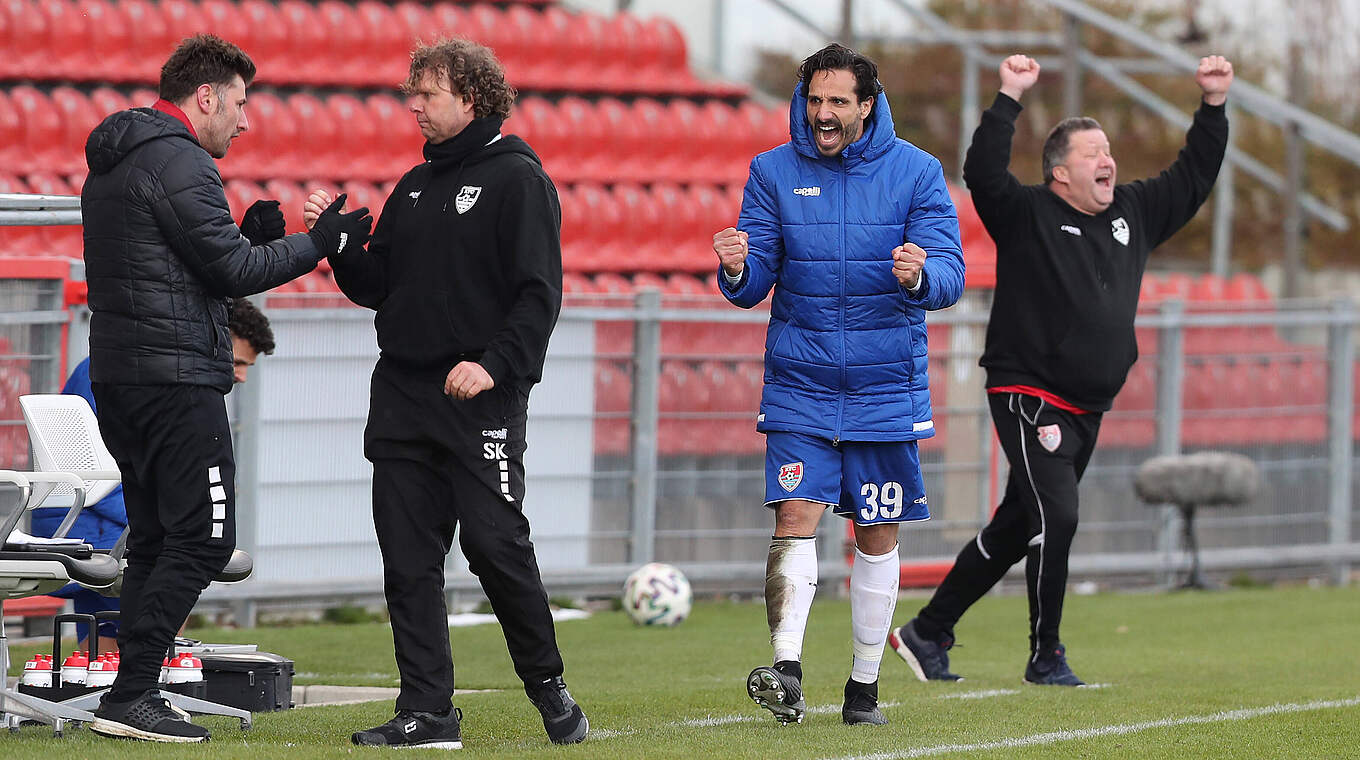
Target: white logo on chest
[(466, 198), (1120, 229), (1069, 229), (807, 192)]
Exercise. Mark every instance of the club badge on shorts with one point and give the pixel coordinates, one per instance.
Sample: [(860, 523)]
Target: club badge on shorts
[(790, 475), (466, 197), (1050, 437)]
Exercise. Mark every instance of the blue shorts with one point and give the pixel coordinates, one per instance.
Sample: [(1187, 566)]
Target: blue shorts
[(867, 481)]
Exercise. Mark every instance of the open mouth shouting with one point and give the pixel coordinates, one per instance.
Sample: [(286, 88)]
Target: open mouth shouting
[(828, 135)]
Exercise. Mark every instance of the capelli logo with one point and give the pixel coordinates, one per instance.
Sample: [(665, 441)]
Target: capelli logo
[(807, 192)]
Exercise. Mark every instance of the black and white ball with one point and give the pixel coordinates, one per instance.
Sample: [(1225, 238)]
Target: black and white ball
[(657, 594)]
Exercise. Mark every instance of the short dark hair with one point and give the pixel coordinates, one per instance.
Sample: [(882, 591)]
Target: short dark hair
[(837, 57), (250, 325), (1059, 141), (472, 70), (203, 59)]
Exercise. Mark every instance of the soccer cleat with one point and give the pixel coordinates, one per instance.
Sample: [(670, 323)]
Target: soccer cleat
[(929, 660), (780, 693), (148, 718), (1050, 669), (861, 705), (563, 719), (412, 728)]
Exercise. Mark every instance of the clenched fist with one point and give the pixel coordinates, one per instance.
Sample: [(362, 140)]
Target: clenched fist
[(908, 259), (731, 246), (466, 380), (1018, 73), (1214, 76)]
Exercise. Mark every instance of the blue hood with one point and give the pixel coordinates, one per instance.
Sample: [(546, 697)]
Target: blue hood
[(879, 132)]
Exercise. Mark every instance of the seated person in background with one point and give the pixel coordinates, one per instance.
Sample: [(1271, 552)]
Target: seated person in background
[(100, 524)]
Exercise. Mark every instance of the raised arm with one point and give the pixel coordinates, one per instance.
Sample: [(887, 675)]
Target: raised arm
[(1170, 200), (986, 169)]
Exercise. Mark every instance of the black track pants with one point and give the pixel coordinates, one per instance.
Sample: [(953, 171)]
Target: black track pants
[(1047, 449), (173, 447), (440, 465)]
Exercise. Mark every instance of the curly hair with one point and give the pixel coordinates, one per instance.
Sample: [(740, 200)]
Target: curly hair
[(471, 69), (203, 59), (250, 325), (836, 57)]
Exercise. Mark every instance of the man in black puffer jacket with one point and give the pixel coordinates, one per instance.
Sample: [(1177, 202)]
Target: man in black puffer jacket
[(162, 255), (465, 274)]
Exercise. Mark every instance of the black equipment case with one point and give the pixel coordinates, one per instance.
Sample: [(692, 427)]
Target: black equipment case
[(254, 681)]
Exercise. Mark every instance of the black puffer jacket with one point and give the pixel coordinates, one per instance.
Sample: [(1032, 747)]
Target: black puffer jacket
[(162, 254)]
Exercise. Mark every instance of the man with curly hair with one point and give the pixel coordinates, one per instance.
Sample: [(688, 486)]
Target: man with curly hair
[(465, 274)]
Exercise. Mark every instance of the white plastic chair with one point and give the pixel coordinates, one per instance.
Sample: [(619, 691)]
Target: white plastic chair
[(64, 433)]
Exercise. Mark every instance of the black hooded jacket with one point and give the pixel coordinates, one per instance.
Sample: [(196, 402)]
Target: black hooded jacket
[(466, 260), (162, 255)]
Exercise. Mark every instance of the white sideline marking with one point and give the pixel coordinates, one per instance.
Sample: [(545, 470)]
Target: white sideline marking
[(724, 720), (1054, 737), (981, 694), (597, 734)]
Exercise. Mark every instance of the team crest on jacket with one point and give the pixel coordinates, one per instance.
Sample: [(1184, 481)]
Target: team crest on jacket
[(790, 475), (1120, 229), (469, 195), (1050, 437)]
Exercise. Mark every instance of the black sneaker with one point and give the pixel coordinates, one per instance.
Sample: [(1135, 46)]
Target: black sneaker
[(412, 728), (929, 660), (780, 693), (148, 718), (861, 705), (563, 719), (1050, 668)]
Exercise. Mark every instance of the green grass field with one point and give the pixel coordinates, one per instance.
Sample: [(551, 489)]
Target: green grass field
[(1233, 674)]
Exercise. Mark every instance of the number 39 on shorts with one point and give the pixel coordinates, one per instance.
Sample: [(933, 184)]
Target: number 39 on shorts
[(881, 501)]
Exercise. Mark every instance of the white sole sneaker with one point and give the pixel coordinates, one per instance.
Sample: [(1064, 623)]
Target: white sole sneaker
[(117, 730)]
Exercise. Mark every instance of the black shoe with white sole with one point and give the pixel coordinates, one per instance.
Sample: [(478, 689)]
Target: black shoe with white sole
[(1049, 668), (778, 691), (563, 719), (147, 718), (928, 659), (413, 728)]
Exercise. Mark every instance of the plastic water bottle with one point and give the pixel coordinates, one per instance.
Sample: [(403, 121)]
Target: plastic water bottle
[(76, 669), (38, 671)]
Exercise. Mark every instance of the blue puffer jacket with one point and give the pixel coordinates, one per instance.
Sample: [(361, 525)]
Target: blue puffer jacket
[(845, 354)]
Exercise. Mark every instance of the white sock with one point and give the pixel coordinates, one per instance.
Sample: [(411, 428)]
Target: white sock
[(873, 597), (790, 584)]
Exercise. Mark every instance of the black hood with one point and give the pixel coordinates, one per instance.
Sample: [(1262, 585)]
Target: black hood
[(122, 132)]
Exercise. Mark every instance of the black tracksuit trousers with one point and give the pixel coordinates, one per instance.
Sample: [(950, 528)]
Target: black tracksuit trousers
[(441, 464), (1048, 450), (173, 447)]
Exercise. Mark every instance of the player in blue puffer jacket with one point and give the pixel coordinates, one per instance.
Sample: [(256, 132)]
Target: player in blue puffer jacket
[(855, 231)]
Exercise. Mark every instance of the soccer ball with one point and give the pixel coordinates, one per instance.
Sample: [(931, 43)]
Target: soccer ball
[(657, 594)]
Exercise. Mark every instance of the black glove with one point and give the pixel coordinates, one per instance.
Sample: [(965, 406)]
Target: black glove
[(263, 222), (336, 234)]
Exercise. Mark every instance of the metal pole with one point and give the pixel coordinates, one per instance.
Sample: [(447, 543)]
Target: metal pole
[(848, 23), (1170, 380), (1293, 161), (1221, 250), (1072, 68), (246, 401), (1340, 448), (968, 108), (646, 411)]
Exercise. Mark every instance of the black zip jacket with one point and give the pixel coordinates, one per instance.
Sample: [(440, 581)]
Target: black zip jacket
[(465, 263), (162, 255), (1067, 282)]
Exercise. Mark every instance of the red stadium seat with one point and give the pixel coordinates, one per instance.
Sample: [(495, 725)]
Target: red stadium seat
[(318, 155), (354, 153), (613, 404), (414, 22), (64, 240), (68, 31), (11, 135), (109, 41), (42, 143), (18, 241), (345, 32), (313, 56), (240, 194), (184, 19), (388, 45), (26, 49), (151, 38), (107, 101), (266, 39), (401, 140), (78, 117)]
